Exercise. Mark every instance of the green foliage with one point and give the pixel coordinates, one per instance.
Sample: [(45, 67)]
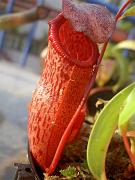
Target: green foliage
[(127, 111), (117, 113), (103, 130), (126, 25), (122, 62), (131, 123), (108, 52), (123, 71), (69, 172)]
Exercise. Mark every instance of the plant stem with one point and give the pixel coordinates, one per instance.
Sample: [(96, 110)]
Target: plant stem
[(13, 20), (122, 9), (102, 51), (127, 146), (116, 18)]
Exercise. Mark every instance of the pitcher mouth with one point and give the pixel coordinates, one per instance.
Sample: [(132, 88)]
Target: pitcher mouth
[(74, 46)]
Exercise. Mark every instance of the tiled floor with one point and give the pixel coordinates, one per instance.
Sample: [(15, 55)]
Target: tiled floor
[(16, 86)]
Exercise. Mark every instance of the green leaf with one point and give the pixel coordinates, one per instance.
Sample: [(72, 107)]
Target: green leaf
[(123, 71), (129, 12), (102, 133), (131, 123), (108, 51), (128, 44), (127, 112), (125, 25)]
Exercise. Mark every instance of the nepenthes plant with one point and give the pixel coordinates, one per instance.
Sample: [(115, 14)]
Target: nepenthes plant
[(58, 105), (55, 116), (57, 109)]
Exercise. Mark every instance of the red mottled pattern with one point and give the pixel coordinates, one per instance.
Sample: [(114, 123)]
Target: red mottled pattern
[(58, 93), (46, 101)]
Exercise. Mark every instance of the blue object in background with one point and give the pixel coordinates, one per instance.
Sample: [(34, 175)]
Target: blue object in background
[(27, 45), (9, 9)]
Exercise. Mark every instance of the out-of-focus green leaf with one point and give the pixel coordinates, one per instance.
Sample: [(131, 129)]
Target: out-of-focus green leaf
[(128, 44), (102, 133), (129, 12), (131, 133), (108, 51), (125, 25), (122, 69), (131, 123), (127, 111), (105, 72)]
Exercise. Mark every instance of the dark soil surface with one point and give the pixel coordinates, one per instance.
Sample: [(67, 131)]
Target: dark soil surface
[(118, 166)]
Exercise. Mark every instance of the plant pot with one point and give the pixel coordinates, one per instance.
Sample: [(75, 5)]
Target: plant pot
[(38, 173)]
